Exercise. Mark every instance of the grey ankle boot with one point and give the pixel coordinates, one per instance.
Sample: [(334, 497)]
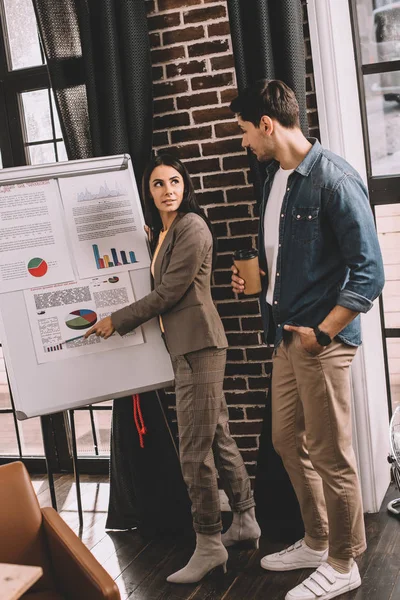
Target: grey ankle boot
[(209, 553), (244, 528)]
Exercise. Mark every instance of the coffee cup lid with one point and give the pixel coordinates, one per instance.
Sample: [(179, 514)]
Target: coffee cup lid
[(245, 254)]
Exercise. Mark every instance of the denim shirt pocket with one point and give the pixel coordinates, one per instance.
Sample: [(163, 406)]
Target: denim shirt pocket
[(305, 224)]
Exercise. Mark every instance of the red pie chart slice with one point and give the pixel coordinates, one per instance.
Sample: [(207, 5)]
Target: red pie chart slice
[(37, 267)]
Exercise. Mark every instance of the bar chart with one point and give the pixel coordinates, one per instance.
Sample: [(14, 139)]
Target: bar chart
[(114, 258)]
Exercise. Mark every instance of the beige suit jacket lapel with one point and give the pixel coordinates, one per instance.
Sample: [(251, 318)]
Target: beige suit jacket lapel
[(161, 253)]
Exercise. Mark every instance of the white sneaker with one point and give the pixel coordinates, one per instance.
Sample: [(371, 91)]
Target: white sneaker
[(298, 556), (326, 583)]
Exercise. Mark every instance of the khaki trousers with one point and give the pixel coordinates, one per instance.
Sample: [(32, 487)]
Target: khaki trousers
[(311, 431), (205, 442)]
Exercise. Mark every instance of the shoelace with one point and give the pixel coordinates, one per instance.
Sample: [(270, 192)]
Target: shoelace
[(295, 546)]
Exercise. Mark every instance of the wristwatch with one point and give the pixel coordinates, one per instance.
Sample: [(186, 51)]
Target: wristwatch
[(323, 338)]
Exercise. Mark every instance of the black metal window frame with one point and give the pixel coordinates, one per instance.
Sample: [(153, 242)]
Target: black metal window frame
[(13, 146), (383, 189)]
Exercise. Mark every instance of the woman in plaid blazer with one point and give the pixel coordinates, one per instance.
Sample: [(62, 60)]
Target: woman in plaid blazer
[(183, 257)]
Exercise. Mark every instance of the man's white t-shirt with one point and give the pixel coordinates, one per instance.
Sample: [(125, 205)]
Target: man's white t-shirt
[(271, 225)]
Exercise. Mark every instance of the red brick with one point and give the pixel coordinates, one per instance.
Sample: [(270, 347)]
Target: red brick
[(311, 101), (167, 4), (238, 308), (230, 324), (223, 147), (164, 21), (249, 455), (157, 73), (188, 34), (219, 29), (185, 151), (236, 162), (186, 68), (256, 398), (211, 114), (243, 368), (256, 412), (206, 98), (235, 354), (224, 261), (227, 129), (246, 442), (164, 105), (170, 88), (206, 165), (213, 47), (193, 134), (224, 278), (176, 119), (224, 179), (228, 95), (243, 194), (155, 40), (210, 81), (227, 211), (214, 197), (245, 427), (236, 413), (167, 54), (204, 14), (221, 293), (232, 244), (252, 324), (222, 62), (246, 227), (150, 6), (234, 383), (260, 354), (259, 383), (220, 229), (160, 138)]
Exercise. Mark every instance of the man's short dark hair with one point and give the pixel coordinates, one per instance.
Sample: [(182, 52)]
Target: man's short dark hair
[(270, 97)]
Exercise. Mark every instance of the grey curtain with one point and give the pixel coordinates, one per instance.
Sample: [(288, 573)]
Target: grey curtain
[(268, 41), (98, 57)]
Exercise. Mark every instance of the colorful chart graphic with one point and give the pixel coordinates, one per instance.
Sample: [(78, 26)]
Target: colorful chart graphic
[(113, 279), (105, 262), (37, 267), (81, 319)]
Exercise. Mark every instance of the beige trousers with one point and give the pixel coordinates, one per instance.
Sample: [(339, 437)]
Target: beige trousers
[(311, 431), (205, 442)]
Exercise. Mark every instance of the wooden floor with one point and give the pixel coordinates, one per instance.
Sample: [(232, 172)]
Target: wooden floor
[(140, 566)]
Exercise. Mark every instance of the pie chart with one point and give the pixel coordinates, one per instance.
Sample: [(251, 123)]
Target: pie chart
[(81, 319), (37, 267)]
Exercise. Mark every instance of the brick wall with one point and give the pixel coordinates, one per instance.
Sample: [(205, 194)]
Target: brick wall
[(194, 82)]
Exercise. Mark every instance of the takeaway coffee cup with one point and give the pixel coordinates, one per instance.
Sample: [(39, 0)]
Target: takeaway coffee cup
[(246, 262)]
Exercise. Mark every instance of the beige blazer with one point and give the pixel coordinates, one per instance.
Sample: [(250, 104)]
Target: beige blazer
[(182, 292)]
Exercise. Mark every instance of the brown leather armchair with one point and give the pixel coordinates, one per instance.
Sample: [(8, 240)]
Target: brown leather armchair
[(33, 536)]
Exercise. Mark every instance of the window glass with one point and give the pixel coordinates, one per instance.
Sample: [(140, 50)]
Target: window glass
[(5, 401), (379, 29), (388, 226), (30, 433), (8, 437), (393, 346), (84, 434), (41, 154), (382, 96), (36, 115), (21, 34)]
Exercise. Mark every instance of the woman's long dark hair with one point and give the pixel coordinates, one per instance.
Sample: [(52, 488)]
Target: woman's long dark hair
[(189, 202)]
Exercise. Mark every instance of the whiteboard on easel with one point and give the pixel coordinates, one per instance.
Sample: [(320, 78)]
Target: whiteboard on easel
[(72, 250)]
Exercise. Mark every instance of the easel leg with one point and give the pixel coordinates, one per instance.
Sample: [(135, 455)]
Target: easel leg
[(45, 424), (76, 467)]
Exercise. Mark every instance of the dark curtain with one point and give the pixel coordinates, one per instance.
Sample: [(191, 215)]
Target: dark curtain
[(268, 41), (98, 58)]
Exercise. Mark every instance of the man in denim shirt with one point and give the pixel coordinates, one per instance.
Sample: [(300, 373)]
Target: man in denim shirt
[(321, 266)]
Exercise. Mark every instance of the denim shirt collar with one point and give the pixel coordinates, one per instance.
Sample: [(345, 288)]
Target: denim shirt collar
[(304, 168)]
